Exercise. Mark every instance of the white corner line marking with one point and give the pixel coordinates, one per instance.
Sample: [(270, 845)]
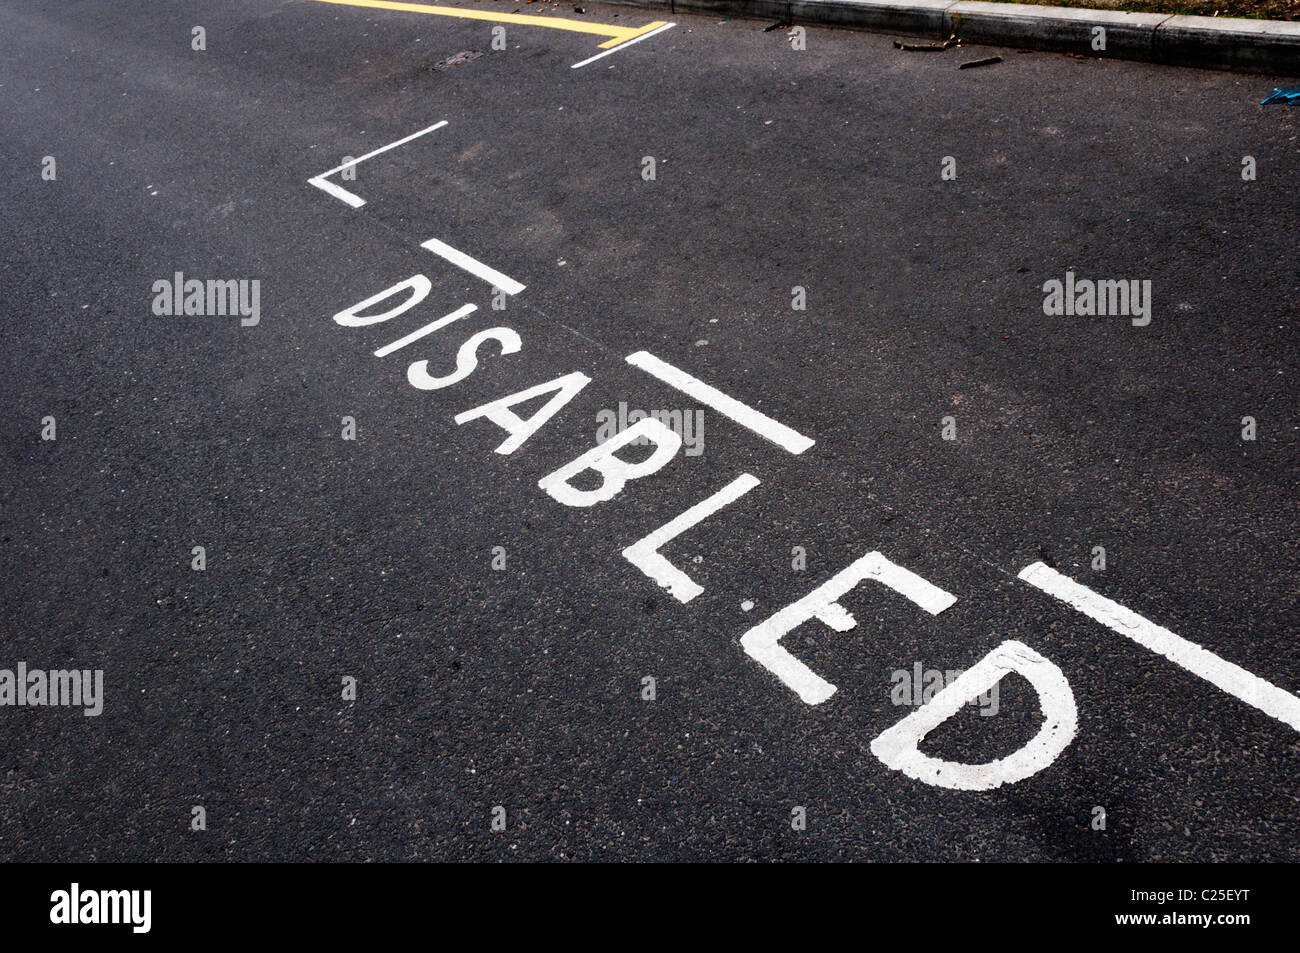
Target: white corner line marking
[(743, 414), (474, 267), (337, 191), (355, 200), (462, 311), (624, 46), (1222, 674)]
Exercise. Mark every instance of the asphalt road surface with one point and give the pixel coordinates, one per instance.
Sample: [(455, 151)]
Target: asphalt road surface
[(671, 197)]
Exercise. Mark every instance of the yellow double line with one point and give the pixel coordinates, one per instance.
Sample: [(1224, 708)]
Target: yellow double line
[(618, 35)]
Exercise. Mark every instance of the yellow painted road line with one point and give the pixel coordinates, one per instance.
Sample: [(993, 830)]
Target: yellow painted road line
[(617, 34), (631, 35)]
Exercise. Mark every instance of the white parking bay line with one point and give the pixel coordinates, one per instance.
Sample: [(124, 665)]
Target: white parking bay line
[(743, 414), (1233, 679), (623, 46), (392, 145), (474, 267), (357, 201), (337, 191)]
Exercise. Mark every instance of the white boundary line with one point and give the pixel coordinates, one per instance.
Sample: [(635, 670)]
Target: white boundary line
[(337, 191), (355, 200), (1224, 675), (475, 267), (743, 414), (624, 46)]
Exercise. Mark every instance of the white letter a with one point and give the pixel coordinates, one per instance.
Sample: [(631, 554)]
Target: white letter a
[(499, 412)]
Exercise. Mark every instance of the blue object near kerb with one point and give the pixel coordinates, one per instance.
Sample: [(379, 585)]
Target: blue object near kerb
[(1285, 94)]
